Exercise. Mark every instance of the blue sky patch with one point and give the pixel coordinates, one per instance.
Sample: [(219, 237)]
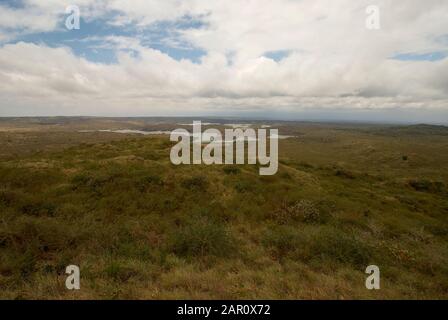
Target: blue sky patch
[(277, 55), (430, 56), (164, 36)]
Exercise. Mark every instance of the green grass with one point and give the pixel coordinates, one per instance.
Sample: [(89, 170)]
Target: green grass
[(140, 227)]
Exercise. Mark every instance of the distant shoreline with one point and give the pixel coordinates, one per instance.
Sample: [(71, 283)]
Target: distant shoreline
[(222, 120)]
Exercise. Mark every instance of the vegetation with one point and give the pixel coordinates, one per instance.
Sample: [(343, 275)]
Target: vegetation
[(139, 227)]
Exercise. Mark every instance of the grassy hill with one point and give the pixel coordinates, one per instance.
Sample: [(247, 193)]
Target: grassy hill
[(140, 227)]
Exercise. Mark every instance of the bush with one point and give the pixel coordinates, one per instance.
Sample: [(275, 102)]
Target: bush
[(119, 272), (341, 247), (27, 179), (8, 198), (22, 265), (29, 245), (99, 183), (196, 183), (89, 182), (420, 185), (303, 210), (342, 173), (231, 170), (282, 240), (200, 238), (146, 182), (243, 186), (423, 185), (38, 208)]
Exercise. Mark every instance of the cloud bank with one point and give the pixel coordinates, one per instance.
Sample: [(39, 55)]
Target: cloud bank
[(258, 57)]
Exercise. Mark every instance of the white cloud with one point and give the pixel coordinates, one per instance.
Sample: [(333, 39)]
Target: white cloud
[(335, 62)]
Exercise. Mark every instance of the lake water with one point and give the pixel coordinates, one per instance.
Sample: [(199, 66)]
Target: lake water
[(206, 137)]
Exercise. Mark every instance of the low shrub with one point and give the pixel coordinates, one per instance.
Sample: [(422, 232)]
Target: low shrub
[(339, 246), (282, 241), (423, 185), (146, 182), (195, 183), (231, 170), (118, 272), (8, 198), (38, 208), (303, 210), (343, 173), (243, 186), (201, 237)]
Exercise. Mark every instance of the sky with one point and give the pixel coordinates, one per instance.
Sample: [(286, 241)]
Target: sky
[(282, 59)]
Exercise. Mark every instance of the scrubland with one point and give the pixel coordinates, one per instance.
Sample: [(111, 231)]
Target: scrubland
[(344, 197)]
